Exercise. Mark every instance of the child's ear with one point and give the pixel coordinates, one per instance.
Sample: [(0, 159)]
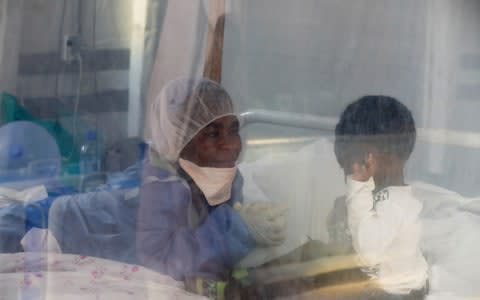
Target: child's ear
[(371, 163), (370, 158)]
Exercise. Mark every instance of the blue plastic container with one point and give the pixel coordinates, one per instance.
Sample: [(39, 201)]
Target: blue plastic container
[(89, 158), (27, 152)]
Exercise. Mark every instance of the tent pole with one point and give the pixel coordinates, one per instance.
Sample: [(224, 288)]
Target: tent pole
[(214, 53)]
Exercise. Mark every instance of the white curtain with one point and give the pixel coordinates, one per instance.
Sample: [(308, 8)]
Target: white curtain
[(181, 46), (10, 28)]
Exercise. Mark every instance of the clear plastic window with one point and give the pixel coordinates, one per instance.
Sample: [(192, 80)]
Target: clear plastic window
[(249, 149)]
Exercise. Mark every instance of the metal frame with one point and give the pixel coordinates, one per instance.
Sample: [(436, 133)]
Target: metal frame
[(430, 135)]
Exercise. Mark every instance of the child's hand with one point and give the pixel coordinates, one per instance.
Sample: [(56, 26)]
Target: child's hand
[(360, 172), (363, 171)]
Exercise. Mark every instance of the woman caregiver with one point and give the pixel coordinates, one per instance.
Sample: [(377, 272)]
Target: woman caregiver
[(191, 223)]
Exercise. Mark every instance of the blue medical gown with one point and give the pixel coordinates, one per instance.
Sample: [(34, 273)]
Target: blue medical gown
[(12, 228), (100, 224), (18, 217), (36, 213), (179, 234)]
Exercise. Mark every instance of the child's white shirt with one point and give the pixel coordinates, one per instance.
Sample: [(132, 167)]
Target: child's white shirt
[(386, 232)]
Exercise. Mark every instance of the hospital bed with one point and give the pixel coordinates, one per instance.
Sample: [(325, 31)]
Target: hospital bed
[(451, 218), (301, 174)]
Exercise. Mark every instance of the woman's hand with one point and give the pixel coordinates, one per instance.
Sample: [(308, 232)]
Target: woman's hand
[(266, 221)]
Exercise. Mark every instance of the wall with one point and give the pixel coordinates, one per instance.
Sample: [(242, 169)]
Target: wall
[(10, 24), (317, 56), (48, 87)]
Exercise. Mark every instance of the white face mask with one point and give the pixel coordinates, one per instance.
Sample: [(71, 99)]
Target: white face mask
[(215, 183)]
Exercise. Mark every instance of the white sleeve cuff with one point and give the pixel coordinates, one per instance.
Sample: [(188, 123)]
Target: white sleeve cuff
[(354, 187)]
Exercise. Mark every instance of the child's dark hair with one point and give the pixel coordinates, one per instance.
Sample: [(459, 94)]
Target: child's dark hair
[(381, 122)]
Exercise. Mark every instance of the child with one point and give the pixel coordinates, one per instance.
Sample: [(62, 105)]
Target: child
[(373, 140)]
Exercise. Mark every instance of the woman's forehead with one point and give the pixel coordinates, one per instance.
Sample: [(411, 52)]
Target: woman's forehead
[(226, 121)]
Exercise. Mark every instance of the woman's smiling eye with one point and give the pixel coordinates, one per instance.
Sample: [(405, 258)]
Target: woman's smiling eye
[(213, 133), (235, 130)]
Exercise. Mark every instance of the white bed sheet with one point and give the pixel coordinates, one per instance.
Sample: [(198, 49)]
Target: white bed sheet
[(63, 276), (450, 242), (308, 181)]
